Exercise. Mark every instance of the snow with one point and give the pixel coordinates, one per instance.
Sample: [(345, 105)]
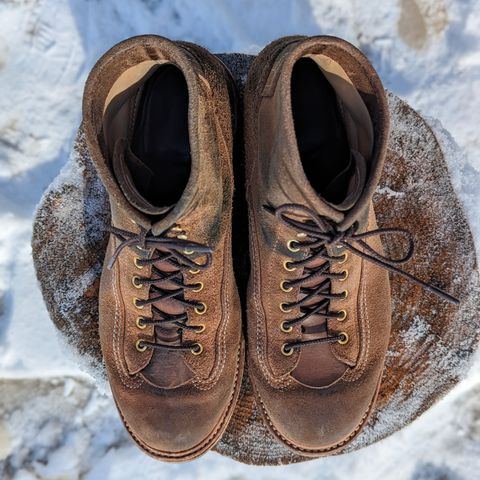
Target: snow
[(52, 423)]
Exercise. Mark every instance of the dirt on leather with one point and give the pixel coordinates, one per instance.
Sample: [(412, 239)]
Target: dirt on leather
[(432, 342)]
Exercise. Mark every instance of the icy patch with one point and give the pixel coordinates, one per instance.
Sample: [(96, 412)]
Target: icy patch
[(389, 192)]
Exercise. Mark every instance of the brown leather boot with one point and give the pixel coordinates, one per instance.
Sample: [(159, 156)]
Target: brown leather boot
[(316, 127), (158, 123)]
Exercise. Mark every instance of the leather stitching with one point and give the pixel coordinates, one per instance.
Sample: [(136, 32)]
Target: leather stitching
[(125, 378), (226, 307), (277, 383), (319, 450), (214, 436), (207, 385)]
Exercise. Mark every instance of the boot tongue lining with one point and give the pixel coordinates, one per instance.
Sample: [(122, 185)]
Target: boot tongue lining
[(131, 76), (358, 122), (123, 158), (357, 174), (358, 125)]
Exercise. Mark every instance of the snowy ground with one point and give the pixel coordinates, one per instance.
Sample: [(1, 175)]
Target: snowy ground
[(53, 424)]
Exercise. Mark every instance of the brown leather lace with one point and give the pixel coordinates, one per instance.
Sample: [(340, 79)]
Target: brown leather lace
[(320, 233), (172, 251)]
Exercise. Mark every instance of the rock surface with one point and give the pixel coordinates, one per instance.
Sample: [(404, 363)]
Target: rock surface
[(431, 345)]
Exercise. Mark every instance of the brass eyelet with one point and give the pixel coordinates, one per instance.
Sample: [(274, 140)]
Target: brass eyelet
[(188, 252), (199, 287), (287, 268), (343, 315), (140, 345), (202, 310), (182, 237), (135, 284), (345, 276), (284, 288), (135, 261), (135, 300), (284, 328), (343, 341), (177, 228), (284, 309), (286, 350), (345, 294), (197, 348), (291, 247), (345, 258), (200, 328), (140, 323), (194, 272)]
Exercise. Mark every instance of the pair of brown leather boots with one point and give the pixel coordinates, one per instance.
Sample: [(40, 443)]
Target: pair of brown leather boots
[(157, 117)]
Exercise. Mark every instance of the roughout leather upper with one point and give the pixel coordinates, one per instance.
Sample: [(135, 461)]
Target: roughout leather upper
[(174, 404), (312, 420)]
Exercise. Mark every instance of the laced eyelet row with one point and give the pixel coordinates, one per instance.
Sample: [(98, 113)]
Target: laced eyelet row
[(142, 243), (287, 350), (199, 286), (138, 284), (140, 322), (284, 307), (198, 310), (196, 348)]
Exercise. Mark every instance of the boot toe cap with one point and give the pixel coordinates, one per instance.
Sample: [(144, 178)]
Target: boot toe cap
[(315, 421), (174, 424)]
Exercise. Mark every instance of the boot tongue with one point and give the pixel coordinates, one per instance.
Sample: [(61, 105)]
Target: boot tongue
[(166, 367), (350, 180), (133, 175)]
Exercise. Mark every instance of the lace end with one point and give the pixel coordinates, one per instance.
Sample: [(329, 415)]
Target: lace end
[(454, 300), (446, 296)]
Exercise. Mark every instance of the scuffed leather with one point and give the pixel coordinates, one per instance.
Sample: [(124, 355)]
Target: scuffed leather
[(311, 420), (174, 404)]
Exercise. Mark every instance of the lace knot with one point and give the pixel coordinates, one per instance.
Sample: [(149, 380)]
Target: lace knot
[(324, 232)]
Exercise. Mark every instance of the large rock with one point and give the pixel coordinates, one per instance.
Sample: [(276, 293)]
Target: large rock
[(432, 343)]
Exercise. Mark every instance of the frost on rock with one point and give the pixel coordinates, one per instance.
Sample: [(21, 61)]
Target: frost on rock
[(73, 213), (432, 342)]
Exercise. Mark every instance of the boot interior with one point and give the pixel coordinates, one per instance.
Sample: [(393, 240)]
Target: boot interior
[(151, 114), (330, 119), (320, 131)]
